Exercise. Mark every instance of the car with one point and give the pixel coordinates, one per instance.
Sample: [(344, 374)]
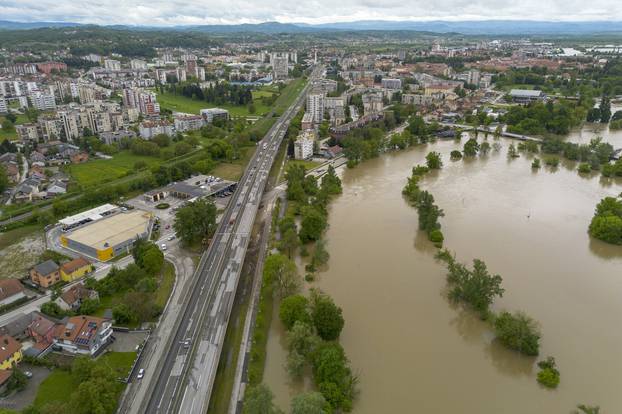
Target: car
[(171, 237), (163, 246), (28, 374), (186, 343), (168, 226), (141, 373)]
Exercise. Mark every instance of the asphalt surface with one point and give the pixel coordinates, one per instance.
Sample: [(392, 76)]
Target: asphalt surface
[(185, 376)]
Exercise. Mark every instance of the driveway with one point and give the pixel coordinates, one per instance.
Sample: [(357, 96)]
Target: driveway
[(26, 397)]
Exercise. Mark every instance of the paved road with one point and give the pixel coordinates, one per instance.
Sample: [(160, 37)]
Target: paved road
[(183, 380)]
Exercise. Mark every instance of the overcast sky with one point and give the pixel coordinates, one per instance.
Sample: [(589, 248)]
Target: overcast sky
[(180, 12)]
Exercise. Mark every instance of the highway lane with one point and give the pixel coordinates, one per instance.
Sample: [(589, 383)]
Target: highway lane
[(185, 378)]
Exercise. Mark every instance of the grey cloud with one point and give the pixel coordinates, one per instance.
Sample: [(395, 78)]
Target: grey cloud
[(171, 12)]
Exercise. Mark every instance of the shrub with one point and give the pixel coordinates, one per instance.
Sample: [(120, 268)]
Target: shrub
[(535, 164), (584, 168), (518, 332), (455, 155), (436, 237), (548, 374)]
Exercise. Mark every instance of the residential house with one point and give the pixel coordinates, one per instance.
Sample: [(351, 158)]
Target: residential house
[(72, 298), (41, 330), (83, 334), (55, 188), (10, 352), (17, 327), (11, 290), (36, 156), (27, 191), (75, 269), (45, 274)]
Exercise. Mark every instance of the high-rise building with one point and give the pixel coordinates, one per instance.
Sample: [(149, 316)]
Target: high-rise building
[(181, 74), (138, 64), (112, 64), (43, 101), (145, 102), (279, 65), (303, 146), (315, 106)]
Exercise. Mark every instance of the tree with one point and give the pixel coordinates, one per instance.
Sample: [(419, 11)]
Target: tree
[(606, 224), (333, 376), (259, 400), (476, 287), (484, 148), (89, 306), (195, 221), (312, 225), (455, 155), (4, 179), (52, 309), (327, 317), (17, 381), (302, 339), (162, 140), (518, 332), (512, 153), (122, 314), (320, 254), (294, 309), (310, 403), (283, 274), (434, 161), (471, 147)]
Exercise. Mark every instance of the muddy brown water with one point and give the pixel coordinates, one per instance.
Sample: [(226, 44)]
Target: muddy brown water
[(413, 351)]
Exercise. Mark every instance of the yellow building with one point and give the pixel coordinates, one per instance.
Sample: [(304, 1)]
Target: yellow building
[(75, 269), (10, 352)]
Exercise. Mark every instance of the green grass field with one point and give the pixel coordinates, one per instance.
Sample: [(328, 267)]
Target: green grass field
[(119, 362), (56, 387), (182, 104), (12, 134), (165, 286), (99, 171), (59, 385), (309, 165), (234, 170)]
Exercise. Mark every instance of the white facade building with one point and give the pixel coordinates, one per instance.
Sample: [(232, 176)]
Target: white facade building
[(303, 146), (315, 106)]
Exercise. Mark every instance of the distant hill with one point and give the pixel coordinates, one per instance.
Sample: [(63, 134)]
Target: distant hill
[(8, 25), (485, 27)]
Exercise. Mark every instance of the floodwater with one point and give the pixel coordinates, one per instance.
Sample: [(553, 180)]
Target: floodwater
[(588, 131), (413, 350)]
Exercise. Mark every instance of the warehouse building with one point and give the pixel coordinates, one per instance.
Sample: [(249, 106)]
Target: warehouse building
[(109, 236)]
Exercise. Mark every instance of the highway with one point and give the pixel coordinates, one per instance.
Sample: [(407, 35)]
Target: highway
[(185, 376)]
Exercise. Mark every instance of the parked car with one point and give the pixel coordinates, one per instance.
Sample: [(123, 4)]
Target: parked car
[(28, 374), (163, 246), (141, 373)]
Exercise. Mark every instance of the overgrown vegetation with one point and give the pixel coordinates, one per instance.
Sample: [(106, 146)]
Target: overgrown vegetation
[(606, 225)]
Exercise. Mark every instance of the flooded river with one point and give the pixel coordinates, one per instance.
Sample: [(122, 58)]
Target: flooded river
[(414, 352)]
